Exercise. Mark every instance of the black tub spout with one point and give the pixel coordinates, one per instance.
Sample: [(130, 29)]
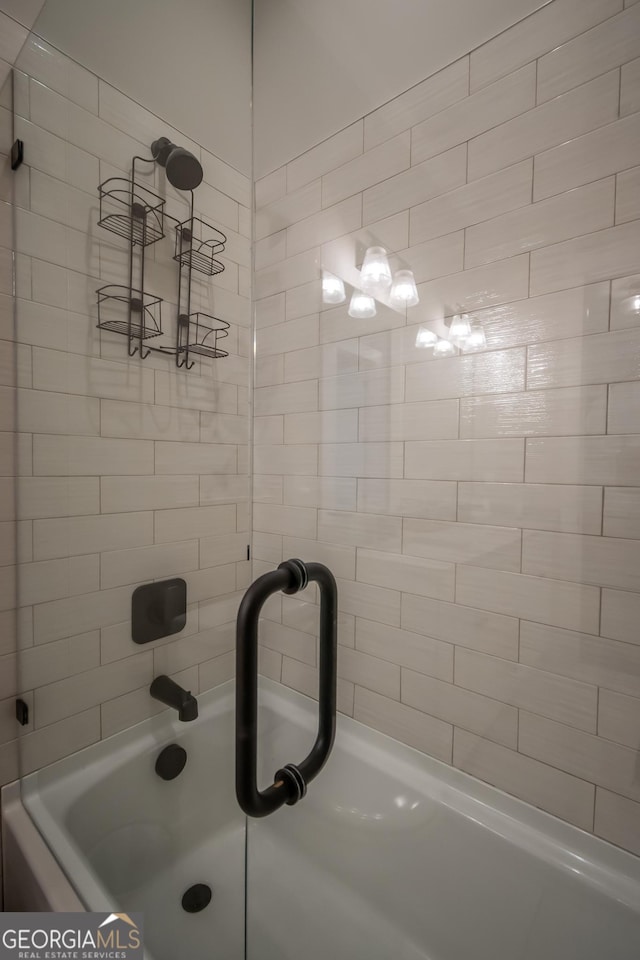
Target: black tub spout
[(168, 691)]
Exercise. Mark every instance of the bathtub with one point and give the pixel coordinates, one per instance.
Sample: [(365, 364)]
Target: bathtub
[(391, 855)]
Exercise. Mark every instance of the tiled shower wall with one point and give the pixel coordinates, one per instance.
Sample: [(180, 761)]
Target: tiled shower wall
[(129, 471), (481, 513)]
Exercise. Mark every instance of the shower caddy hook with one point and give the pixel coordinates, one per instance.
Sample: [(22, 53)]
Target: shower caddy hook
[(290, 782), (137, 214)]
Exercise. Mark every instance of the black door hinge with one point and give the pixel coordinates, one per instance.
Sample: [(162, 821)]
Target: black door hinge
[(22, 712), (17, 154), (248, 551)]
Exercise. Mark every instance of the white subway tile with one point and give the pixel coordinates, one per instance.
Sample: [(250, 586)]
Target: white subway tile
[(580, 211), (362, 389), (598, 154), (90, 456), (621, 512), (118, 495), (596, 256), (269, 371), (328, 360), (622, 400), (493, 195), (553, 24), (553, 790), (329, 493), (41, 497), (618, 718), (41, 412), (148, 421), (73, 615), (436, 420), (574, 113), (575, 606), (341, 560), (91, 534), (565, 412), (375, 165), (592, 460), (269, 430), (501, 461), (417, 729), (364, 600), (568, 701), (497, 547), (475, 114), (119, 567), (435, 258), (62, 699), (336, 324), (194, 458), (216, 671), (296, 459), (617, 820), (358, 529), (58, 740), (270, 250), (571, 509), (410, 574), (288, 642), (428, 656), (495, 372), (222, 549), (463, 708), (289, 209), (430, 499), (627, 196), (271, 188), (452, 623), (287, 398), (195, 393), (185, 523), (599, 761), (304, 678), (55, 661), (413, 186), (630, 88), (603, 358), (53, 579), (326, 156), (432, 95), (292, 272), (592, 53), (605, 663), (290, 521), (291, 335), (332, 222), (361, 459), (604, 561), (624, 309), (369, 672), (474, 289), (326, 426)]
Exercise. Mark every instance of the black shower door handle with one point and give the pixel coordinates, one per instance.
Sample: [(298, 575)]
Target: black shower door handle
[(290, 782)]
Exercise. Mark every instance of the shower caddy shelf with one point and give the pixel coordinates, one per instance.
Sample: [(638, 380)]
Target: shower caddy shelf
[(137, 214)]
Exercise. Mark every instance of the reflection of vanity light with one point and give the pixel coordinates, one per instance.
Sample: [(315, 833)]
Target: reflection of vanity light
[(476, 339), (332, 289), (444, 348), (635, 303), (362, 306), (425, 337), (404, 292), (460, 327), (376, 272)]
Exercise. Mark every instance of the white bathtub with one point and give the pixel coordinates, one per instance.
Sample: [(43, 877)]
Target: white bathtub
[(391, 855)]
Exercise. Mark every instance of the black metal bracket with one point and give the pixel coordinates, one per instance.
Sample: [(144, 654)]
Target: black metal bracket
[(17, 154), (290, 781), (22, 712)]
